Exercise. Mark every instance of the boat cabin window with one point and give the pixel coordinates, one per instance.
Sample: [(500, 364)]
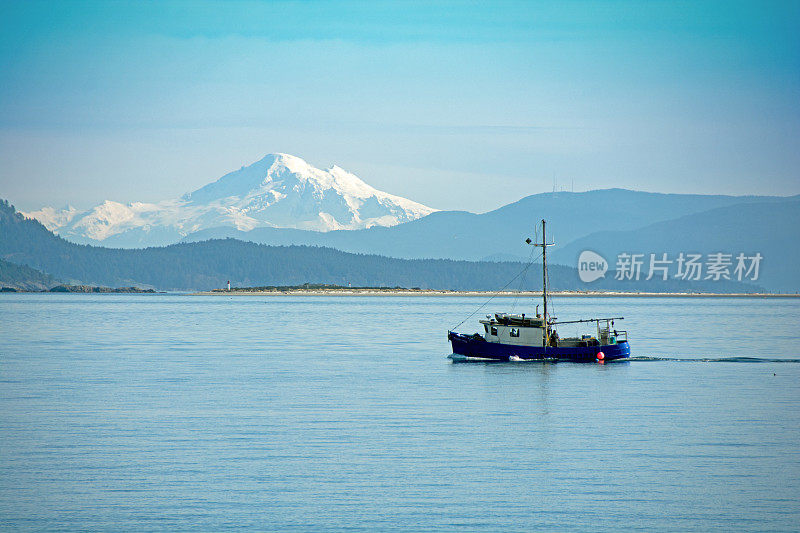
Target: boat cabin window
[(514, 332), (486, 328), (494, 331)]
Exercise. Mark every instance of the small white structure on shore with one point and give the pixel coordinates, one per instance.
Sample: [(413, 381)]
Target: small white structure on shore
[(229, 284)]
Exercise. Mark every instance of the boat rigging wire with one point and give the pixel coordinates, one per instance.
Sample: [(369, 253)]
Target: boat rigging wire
[(525, 269), (523, 279), (553, 307)]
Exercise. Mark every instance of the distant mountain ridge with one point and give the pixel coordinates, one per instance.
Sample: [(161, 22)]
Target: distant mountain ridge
[(206, 265), (772, 231), (279, 190), (606, 221), (501, 233)]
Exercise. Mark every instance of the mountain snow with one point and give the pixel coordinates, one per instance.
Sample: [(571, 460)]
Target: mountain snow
[(53, 218), (279, 190)]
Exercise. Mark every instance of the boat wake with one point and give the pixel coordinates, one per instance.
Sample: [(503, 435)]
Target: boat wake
[(640, 358), (713, 359)]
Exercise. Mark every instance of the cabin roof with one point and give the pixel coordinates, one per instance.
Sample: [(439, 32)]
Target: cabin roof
[(521, 320)]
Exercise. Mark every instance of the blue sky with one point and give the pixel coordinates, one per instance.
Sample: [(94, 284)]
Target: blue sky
[(459, 105)]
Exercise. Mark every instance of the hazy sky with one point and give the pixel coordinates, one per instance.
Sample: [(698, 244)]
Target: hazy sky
[(459, 105)]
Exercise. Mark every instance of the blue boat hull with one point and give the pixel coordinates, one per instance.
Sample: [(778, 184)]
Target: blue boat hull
[(475, 346)]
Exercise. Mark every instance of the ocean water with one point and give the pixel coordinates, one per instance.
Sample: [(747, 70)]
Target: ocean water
[(177, 412)]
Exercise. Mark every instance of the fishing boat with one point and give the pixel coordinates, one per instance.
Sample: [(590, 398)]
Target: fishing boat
[(517, 337)]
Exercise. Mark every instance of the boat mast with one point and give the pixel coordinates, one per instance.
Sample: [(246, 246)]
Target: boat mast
[(544, 280), (544, 244)]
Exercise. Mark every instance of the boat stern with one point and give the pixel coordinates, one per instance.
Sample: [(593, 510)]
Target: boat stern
[(620, 350)]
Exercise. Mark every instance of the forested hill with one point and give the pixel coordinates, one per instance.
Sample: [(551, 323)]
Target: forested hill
[(23, 278), (209, 264)]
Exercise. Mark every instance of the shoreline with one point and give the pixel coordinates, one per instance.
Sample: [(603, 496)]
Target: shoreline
[(566, 294)]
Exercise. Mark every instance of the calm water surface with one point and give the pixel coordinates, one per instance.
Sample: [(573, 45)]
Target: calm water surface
[(168, 412)]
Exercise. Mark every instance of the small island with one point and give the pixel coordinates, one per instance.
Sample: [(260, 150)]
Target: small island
[(86, 289)]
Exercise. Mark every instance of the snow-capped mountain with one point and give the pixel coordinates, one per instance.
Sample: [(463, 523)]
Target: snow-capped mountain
[(53, 218), (280, 190)]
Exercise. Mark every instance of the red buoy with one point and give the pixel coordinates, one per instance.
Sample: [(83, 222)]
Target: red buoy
[(600, 356)]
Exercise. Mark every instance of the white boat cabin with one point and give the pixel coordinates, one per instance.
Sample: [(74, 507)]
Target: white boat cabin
[(519, 330)]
